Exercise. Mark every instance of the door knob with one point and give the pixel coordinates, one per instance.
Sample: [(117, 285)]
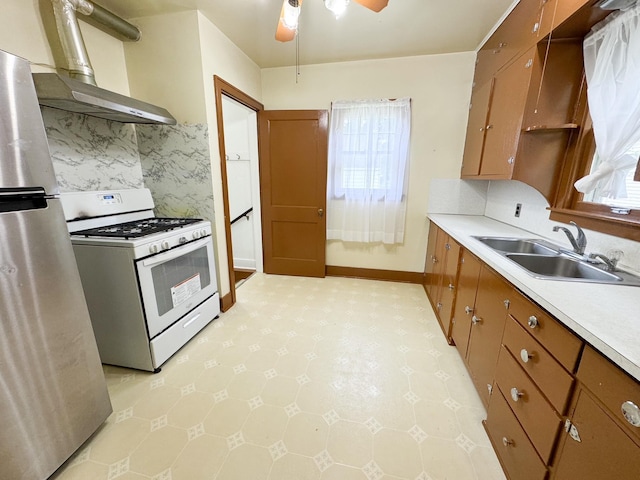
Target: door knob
[(320, 212)]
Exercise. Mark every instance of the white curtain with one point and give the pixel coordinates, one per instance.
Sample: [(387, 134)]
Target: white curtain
[(612, 67), (368, 170)]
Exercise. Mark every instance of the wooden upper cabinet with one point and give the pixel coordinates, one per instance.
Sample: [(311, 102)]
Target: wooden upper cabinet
[(505, 118), (528, 98), (519, 31), (478, 112)]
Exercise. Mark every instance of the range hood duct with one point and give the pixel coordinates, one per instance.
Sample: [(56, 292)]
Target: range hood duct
[(78, 92)]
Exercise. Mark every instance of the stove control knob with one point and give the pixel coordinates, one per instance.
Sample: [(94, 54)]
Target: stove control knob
[(153, 248), (203, 233), (182, 240), (165, 245), (196, 235)]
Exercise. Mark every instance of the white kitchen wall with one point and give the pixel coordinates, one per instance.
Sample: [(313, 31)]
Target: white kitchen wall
[(173, 65), (501, 202), (439, 87), (27, 28)]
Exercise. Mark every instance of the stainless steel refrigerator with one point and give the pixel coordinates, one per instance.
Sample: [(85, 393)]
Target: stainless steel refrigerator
[(53, 393)]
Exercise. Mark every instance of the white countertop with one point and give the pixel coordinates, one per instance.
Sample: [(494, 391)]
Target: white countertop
[(605, 316)]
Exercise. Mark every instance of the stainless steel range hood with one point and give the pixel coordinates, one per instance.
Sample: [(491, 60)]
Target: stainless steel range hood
[(78, 91), (65, 93)]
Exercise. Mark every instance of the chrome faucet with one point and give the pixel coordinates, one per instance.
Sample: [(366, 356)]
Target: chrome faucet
[(610, 263), (578, 244)]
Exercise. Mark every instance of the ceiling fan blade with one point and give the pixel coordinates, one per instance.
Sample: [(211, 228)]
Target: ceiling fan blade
[(375, 5), (283, 33)]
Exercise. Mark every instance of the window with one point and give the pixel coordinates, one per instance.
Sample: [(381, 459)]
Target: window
[(603, 165), (368, 170)]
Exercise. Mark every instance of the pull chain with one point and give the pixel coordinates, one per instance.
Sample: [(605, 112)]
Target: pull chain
[(297, 54)]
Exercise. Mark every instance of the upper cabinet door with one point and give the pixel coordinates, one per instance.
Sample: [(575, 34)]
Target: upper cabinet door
[(25, 161), (478, 110), (510, 90)]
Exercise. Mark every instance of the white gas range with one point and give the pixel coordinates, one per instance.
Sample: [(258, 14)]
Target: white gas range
[(150, 283)]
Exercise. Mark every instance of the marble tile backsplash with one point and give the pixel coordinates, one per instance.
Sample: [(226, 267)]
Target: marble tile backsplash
[(89, 153), (173, 162), (176, 167)]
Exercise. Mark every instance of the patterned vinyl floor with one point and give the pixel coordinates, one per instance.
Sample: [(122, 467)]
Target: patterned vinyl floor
[(303, 379)]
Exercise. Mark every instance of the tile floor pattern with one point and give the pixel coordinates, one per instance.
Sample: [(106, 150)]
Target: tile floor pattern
[(303, 379)]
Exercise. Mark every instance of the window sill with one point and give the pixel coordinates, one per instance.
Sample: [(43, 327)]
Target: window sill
[(625, 226)]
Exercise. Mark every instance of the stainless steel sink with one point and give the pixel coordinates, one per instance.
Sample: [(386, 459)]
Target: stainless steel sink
[(545, 260), (562, 266), (519, 245)]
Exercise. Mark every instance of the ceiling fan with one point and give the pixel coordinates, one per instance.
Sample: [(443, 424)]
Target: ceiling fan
[(288, 21)]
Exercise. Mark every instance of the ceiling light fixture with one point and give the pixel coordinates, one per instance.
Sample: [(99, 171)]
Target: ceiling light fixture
[(291, 14), (337, 7)]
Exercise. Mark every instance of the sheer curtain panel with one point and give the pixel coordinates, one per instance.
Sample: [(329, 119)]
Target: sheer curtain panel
[(368, 170), (612, 67)]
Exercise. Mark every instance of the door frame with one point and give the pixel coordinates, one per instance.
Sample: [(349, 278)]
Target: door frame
[(223, 87)]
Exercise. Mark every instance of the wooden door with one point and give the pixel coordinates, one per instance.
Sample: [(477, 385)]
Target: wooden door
[(474, 143), (465, 300), (603, 451), (486, 331), (448, 289), (293, 179), (505, 117), (431, 265)]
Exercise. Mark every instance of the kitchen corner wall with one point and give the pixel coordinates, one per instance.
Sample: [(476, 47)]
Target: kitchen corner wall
[(498, 199), (439, 87)]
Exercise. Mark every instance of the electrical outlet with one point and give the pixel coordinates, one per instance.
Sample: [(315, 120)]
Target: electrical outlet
[(518, 209)]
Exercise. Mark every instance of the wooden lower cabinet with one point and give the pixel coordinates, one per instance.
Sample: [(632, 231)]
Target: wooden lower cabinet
[(441, 268), (467, 286), (556, 408), (600, 441), (517, 455), (601, 450), (536, 415), (487, 325)]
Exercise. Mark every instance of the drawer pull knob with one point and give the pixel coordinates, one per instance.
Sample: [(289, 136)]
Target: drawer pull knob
[(507, 303), (506, 442), (434, 259), (468, 310), (533, 321), (476, 320), (631, 413), (439, 305), (525, 356), (451, 287), (516, 394)]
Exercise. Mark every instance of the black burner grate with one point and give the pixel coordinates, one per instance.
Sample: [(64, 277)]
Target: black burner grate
[(138, 228)]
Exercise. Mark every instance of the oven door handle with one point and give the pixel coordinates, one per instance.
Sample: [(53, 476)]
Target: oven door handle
[(175, 252)]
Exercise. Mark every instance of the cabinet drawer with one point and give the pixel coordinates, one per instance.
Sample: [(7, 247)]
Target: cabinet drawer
[(516, 453), (535, 414), (546, 372), (611, 385), (559, 341)]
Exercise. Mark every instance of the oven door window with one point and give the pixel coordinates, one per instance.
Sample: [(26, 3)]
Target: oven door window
[(174, 282), (177, 280)]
